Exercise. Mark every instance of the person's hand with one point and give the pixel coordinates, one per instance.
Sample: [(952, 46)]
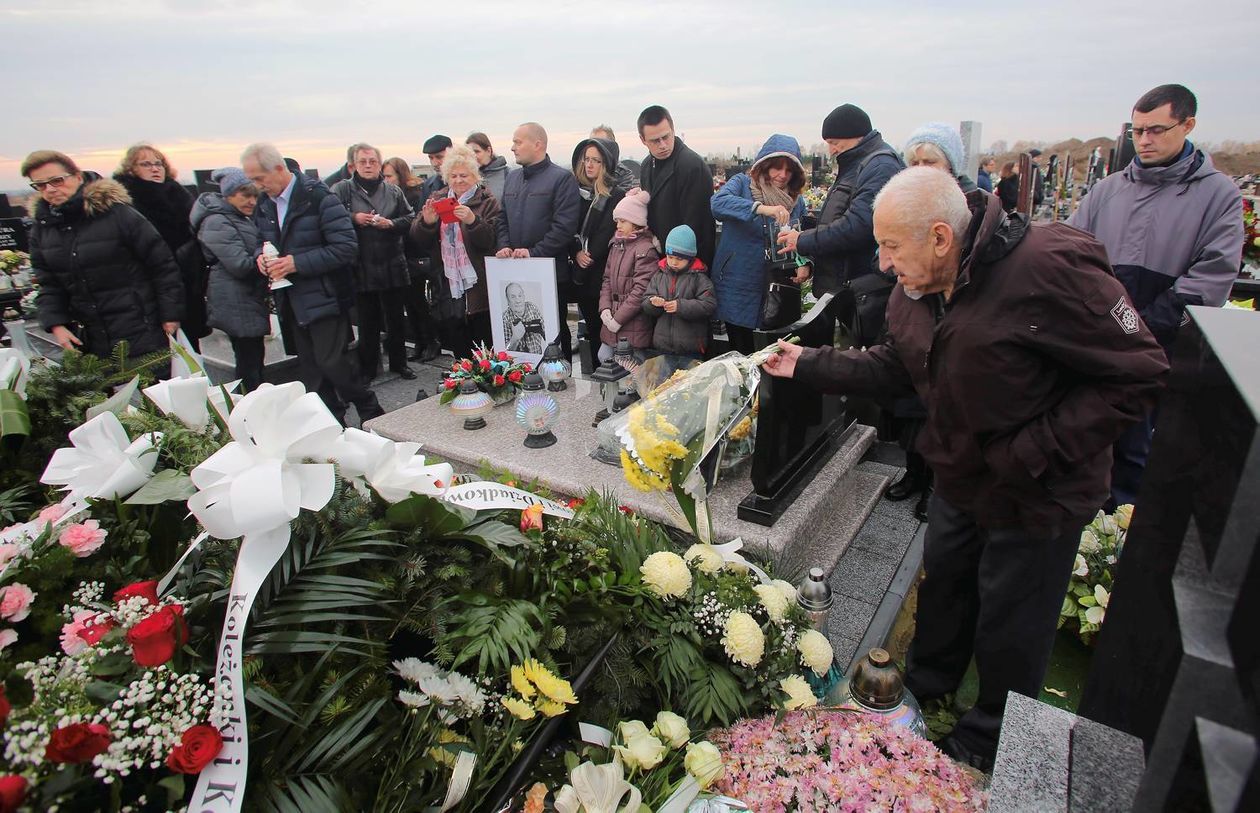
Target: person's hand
[(428, 213), (518, 333), (783, 363), (584, 259), (503, 253), (520, 253), (465, 215), (780, 214), (280, 267), (803, 273), (657, 301), (364, 218), (671, 306), (382, 223), (612, 324), (262, 264), (170, 327), (65, 338), (788, 239)]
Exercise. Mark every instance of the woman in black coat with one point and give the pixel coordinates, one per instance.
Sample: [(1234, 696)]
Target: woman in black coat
[(423, 329), (1008, 187), (104, 272), (150, 180), (594, 166)]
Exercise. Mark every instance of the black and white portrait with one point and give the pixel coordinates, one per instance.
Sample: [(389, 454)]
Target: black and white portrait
[(524, 312)]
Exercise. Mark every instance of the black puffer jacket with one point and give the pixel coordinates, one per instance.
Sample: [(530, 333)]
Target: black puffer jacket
[(595, 218), (318, 234), (382, 264), (104, 270), (167, 206), (236, 296)]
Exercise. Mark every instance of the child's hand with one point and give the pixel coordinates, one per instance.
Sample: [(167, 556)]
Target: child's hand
[(671, 306), (657, 302)]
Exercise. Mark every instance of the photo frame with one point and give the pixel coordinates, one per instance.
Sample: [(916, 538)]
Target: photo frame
[(524, 305)]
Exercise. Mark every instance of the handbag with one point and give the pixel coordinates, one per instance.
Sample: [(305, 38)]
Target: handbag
[(869, 294), (781, 303)]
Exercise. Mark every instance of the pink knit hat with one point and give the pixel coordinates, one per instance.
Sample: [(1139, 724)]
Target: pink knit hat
[(633, 207)]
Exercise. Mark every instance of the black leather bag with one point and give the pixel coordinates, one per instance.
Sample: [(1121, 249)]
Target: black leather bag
[(781, 304), (870, 294)]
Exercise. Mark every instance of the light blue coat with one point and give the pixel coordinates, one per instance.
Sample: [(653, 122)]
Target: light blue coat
[(739, 267)]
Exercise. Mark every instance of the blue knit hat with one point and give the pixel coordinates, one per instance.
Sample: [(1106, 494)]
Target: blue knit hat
[(229, 179), (681, 242), (943, 137)]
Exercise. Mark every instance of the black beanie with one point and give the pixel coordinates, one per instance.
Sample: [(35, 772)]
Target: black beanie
[(846, 121), (436, 144)]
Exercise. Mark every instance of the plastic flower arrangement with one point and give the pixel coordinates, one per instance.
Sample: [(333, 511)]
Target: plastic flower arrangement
[(832, 760), (1089, 590), (491, 371)]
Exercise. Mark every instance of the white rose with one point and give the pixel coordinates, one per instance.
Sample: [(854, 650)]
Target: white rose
[(1081, 568), (704, 762), (644, 752), (672, 729)]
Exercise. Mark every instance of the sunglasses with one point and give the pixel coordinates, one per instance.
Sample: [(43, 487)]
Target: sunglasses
[(54, 182)]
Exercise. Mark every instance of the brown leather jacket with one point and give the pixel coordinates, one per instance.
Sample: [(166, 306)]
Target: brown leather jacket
[(1030, 372)]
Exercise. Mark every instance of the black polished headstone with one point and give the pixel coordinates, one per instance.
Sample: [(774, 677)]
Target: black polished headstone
[(798, 427), (1176, 661), (14, 234), (204, 182)]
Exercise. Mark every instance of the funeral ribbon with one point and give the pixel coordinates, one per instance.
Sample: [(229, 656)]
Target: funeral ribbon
[(102, 462), (393, 470), (253, 488)]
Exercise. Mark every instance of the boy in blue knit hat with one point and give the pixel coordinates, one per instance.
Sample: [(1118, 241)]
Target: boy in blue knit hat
[(680, 297)]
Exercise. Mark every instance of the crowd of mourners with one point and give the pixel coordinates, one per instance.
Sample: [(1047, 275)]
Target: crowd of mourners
[(1022, 359)]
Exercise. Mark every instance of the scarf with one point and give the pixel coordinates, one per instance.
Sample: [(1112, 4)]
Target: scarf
[(461, 275), (369, 186), (769, 195)]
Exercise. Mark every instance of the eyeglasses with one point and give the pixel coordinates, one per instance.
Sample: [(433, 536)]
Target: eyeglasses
[(55, 182), (151, 164), (1155, 130), (589, 160)]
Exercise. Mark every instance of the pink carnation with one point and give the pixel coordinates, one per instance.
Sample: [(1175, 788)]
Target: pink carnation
[(83, 538), (51, 514), (7, 552), (71, 642), (15, 602), (7, 637)]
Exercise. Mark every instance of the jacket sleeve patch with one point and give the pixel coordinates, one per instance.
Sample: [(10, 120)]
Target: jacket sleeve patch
[(1125, 316)]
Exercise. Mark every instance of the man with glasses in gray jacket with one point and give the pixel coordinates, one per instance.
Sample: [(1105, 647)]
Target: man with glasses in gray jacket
[(1172, 225)]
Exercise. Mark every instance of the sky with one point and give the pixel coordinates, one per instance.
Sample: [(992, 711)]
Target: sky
[(202, 79)]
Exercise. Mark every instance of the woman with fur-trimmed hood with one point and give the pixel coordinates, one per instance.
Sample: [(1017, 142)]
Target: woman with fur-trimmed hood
[(104, 272)]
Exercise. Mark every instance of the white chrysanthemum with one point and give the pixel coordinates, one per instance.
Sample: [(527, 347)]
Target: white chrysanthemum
[(415, 670), (706, 557), (413, 699), (816, 652), (666, 574), (469, 694), (786, 588), (800, 696), (773, 600), (744, 640)]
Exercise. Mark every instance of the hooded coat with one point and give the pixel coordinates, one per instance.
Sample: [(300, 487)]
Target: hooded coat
[(1030, 371), (494, 175), (595, 218), (236, 294), (101, 266), (681, 186), (382, 263), (739, 269), (1174, 236), (685, 331), (842, 247), (632, 262)]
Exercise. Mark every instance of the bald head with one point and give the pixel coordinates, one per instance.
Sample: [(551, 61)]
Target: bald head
[(921, 221), (529, 143)]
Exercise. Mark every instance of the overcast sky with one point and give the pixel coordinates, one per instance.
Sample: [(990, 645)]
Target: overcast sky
[(201, 79)]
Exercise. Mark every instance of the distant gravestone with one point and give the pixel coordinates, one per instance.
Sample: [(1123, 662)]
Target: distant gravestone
[(1125, 153), (13, 235), (970, 132), (204, 183)]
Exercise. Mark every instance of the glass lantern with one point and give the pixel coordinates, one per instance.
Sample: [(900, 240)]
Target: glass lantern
[(472, 405), (554, 368), (536, 412), (876, 686)]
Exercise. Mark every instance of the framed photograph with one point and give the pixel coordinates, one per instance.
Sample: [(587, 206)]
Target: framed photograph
[(524, 305)]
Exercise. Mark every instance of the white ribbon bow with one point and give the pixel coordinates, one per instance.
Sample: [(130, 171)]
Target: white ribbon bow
[(103, 462), (14, 367), (394, 470)]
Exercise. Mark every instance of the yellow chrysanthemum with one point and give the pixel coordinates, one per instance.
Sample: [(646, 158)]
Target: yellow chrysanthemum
[(744, 641), (815, 651), (519, 708), (800, 696), (553, 687), (521, 683), (446, 756), (706, 557), (551, 708), (639, 477), (773, 600), (666, 574)]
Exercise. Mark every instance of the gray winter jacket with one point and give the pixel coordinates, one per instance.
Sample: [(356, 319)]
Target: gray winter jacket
[(236, 294), (686, 331), (382, 264), (1173, 235), (493, 176)]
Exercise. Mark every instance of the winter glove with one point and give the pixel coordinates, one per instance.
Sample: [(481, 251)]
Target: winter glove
[(608, 320)]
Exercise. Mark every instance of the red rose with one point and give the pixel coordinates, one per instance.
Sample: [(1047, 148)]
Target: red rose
[(575, 503), (146, 591), (5, 706), (93, 633), (466, 365), (527, 367), (449, 383), (499, 380), (503, 356), (12, 793), (515, 376), (485, 365), (155, 639), (77, 742), (625, 509), (532, 518), (196, 748)]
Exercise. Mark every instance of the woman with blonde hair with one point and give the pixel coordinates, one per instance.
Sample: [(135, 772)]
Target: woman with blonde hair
[(458, 244)]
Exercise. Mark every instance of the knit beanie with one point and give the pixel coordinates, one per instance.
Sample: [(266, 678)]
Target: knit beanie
[(846, 121), (229, 179), (681, 242), (633, 208), (942, 136), (436, 144)]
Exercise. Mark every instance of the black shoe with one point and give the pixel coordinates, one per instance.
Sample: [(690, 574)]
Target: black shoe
[(921, 507), (910, 483), (427, 353), (959, 751), (403, 372), (369, 408)]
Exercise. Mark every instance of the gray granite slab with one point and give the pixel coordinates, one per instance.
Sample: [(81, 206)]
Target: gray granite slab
[(814, 531), (864, 575), (1106, 767)]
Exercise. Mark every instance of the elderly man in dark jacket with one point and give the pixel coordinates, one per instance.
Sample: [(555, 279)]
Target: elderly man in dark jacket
[(104, 272), (1031, 361), (541, 204), (314, 235), (382, 219), (679, 181)]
